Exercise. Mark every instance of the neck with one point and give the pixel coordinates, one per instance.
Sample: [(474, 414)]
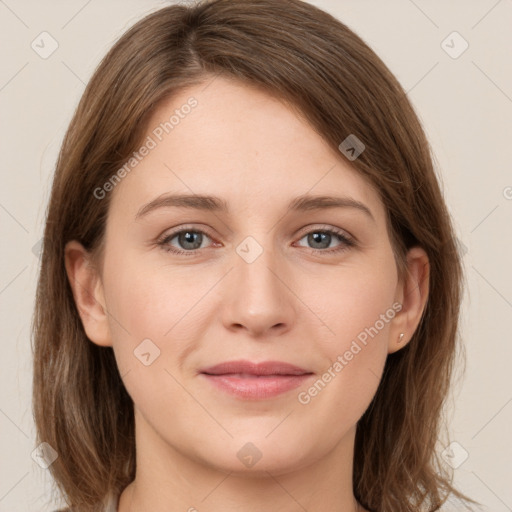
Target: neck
[(169, 480)]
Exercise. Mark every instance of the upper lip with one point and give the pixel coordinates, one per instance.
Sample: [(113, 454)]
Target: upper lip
[(248, 367)]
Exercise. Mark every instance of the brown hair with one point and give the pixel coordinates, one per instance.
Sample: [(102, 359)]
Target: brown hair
[(318, 66)]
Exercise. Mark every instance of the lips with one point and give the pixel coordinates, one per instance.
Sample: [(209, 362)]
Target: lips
[(255, 381), (247, 368)]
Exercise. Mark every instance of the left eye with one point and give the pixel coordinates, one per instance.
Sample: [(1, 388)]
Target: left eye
[(321, 239)]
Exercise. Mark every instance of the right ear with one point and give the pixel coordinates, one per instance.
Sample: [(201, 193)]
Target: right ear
[(88, 293)]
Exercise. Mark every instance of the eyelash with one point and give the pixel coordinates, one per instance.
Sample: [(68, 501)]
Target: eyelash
[(346, 242)]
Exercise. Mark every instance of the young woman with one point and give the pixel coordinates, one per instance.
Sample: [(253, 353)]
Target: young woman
[(250, 286)]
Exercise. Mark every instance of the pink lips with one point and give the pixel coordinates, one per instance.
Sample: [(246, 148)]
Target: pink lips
[(248, 380)]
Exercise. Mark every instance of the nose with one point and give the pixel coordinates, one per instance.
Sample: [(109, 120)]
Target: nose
[(258, 297)]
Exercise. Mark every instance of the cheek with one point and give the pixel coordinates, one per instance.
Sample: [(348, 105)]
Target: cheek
[(153, 329), (352, 300), (162, 304), (356, 305)]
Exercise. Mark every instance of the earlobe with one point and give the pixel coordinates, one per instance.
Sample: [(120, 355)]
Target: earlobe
[(412, 294), (87, 289)]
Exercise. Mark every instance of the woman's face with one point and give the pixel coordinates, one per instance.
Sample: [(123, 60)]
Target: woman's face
[(255, 279)]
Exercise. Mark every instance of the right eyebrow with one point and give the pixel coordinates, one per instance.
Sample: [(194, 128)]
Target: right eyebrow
[(198, 202)]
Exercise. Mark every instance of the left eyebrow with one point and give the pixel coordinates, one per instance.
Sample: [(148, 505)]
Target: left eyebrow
[(216, 204), (308, 203)]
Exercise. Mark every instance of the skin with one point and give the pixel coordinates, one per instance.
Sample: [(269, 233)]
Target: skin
[(290, 304)]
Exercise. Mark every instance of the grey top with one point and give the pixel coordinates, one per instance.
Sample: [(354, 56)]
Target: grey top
[(111, 504)]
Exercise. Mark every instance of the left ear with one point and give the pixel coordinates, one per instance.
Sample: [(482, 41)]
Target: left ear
[(412, 294)]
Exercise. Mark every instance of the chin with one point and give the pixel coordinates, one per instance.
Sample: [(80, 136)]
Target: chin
[(257, 455)]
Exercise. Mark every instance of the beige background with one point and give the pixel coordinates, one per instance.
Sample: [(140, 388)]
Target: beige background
[(465, 104)]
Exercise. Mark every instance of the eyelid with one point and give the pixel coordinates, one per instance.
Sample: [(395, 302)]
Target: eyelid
[(303, 231), (325, 227), (185, 227)]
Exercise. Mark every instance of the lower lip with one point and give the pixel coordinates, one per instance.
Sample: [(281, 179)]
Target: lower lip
[(257, 388)]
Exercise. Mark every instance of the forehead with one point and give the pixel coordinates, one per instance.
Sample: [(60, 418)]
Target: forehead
[(235, 141)]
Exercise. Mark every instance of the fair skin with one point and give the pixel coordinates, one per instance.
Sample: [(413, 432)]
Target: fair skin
[(290, 304)]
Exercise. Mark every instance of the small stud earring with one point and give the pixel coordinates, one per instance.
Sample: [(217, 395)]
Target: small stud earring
[(400, 338)]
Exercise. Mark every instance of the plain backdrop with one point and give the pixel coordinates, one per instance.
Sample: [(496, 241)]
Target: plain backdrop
[(464, 99)]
